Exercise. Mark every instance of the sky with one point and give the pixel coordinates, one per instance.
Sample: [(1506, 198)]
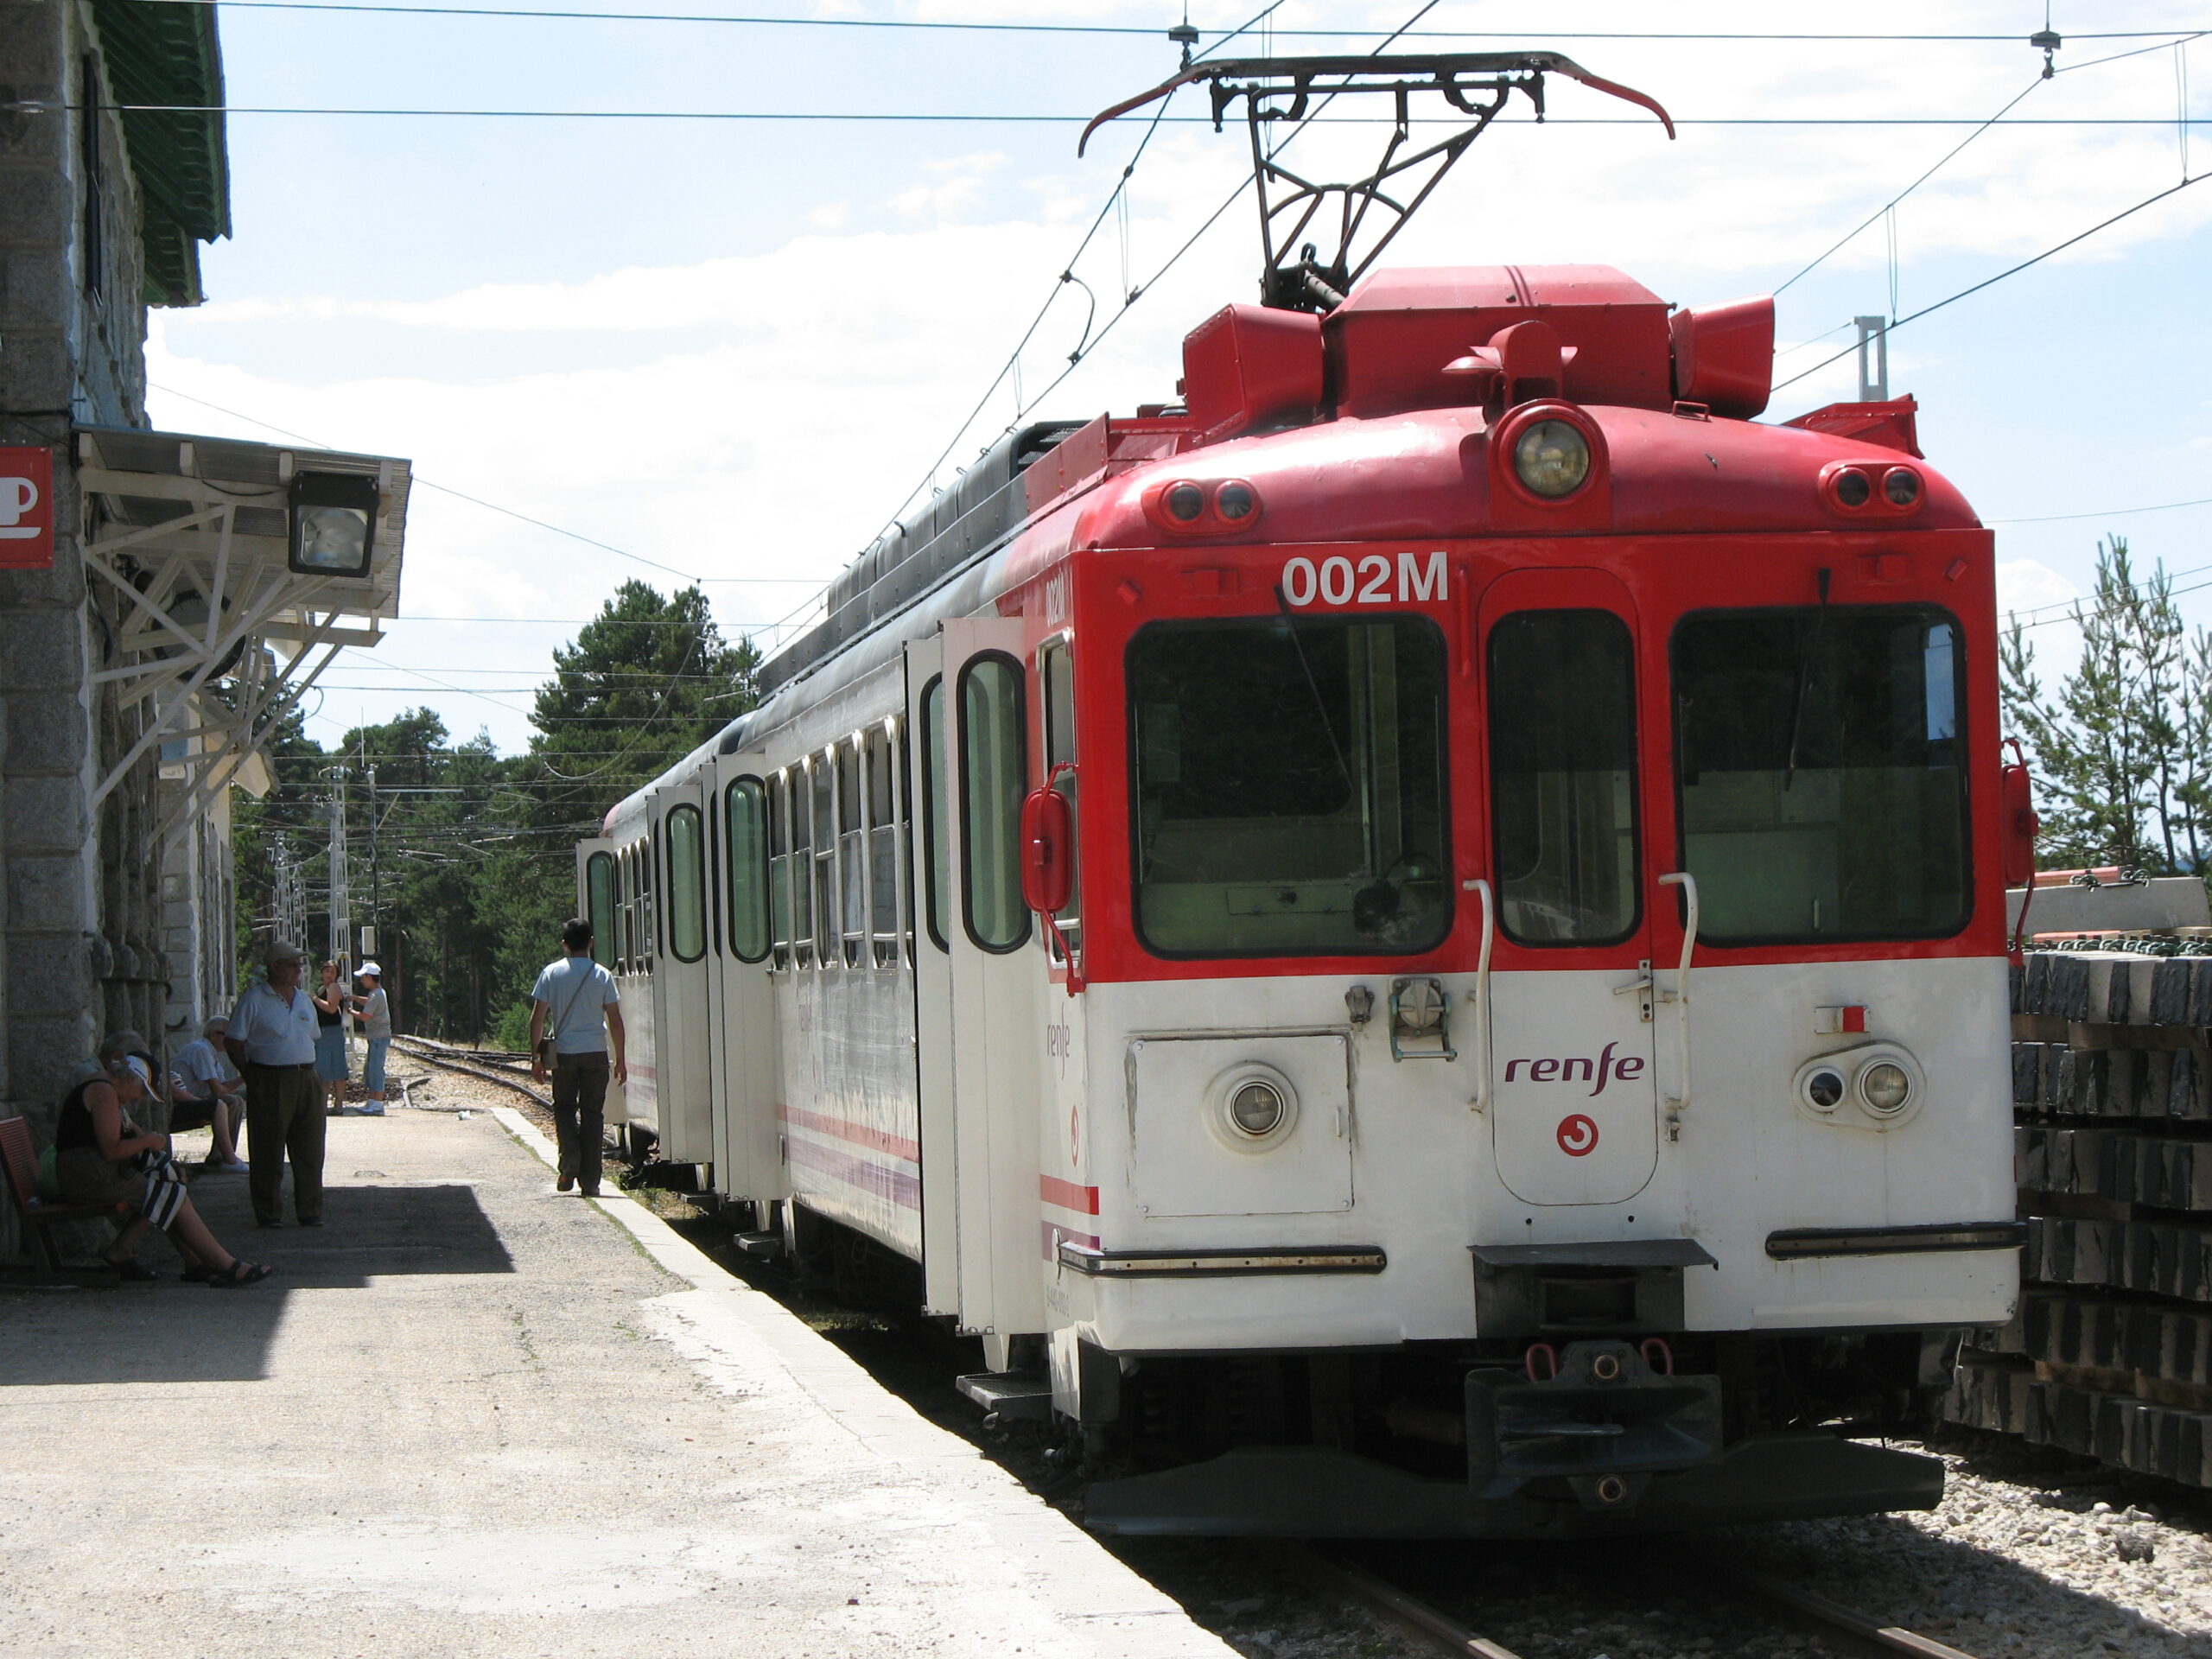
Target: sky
[(733, 349)]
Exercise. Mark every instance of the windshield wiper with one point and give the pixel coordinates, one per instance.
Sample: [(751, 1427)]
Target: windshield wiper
[(1313, 685), (1804, 683)]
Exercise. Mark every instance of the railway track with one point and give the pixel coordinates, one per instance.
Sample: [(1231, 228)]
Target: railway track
[(509, 1071), (1401, 1607)]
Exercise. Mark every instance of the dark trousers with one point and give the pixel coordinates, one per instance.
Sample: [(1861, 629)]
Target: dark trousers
[(283, 1114), (580, 1115)]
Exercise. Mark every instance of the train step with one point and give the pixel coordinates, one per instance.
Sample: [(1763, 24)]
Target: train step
[(769, 1247), (1010, 1393)]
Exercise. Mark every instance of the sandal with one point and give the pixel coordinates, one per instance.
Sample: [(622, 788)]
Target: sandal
[(131, 1271), (239, 1275)]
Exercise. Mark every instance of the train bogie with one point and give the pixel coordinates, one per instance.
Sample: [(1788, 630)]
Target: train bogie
[(1426, 961)]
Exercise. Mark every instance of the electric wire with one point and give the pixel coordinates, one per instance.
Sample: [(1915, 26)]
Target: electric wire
[(973, 117)]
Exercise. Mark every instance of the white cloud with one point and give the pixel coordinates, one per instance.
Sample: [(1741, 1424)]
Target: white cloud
[(2024, 585)]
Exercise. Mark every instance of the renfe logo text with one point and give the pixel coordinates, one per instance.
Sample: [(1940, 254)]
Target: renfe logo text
[(1576, 1069)]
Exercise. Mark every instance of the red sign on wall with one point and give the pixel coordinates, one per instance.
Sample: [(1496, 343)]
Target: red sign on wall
[(26, 509)]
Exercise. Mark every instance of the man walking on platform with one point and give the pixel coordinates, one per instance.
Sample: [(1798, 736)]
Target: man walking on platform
[(573, 1009), (272, 1040)]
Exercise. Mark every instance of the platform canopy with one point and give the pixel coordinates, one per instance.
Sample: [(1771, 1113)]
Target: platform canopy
[(244, 568)]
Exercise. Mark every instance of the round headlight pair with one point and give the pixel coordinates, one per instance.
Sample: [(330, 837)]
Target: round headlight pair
[(1897, 489), (1185, 502), (1883, 1083)]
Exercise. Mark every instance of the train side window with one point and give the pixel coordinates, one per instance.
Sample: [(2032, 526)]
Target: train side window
[(1056, 671), (1288, 786), (687, 883), (992, 771), (936, 816), (744, 867), (1562, 746), (1821, 774), (904, 771), (598, 907), (622, 908), (779, 868), (852, 855), (802, 866), (882, 846), (649, 898), (823, 781)]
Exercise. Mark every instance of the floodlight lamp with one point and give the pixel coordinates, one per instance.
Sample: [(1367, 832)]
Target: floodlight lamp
[(334, 524)]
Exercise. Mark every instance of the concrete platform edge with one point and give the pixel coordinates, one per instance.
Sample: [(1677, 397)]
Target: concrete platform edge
[(1097, 1601)]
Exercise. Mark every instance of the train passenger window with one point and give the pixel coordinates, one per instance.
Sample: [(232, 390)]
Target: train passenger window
[(1562, 762), (852, 855), (779, 870), (1288, 786), (1055, 670), (622, 907), (687, 884), (936, 819), (823, 790), (648, 900), (744, 867), (598, 907), (993, 773), (1820, 772), (802, 866), (882, 846)]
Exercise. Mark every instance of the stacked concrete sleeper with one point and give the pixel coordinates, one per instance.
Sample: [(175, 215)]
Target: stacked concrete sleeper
[(2111, 1353)]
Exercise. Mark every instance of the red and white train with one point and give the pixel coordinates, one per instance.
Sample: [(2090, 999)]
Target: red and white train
[(1416, 940)]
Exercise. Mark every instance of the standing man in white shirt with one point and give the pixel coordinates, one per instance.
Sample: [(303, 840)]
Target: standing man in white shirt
[(272, 1040), (375, 1010), (575, 1008)]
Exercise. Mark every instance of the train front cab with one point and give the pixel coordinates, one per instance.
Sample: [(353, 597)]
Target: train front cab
[(1501, 1199)]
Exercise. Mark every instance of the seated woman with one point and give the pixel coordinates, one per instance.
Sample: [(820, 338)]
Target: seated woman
[(101, 1158)]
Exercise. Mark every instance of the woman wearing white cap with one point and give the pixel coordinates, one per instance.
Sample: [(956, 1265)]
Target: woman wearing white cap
[(375, 1010), (100, 1158)]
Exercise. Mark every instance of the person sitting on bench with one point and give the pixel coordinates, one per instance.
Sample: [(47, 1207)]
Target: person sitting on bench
[(101, 1157), (204, 1093)]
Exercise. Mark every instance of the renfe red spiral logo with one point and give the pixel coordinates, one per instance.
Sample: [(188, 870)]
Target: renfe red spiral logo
[(1578, 1136)]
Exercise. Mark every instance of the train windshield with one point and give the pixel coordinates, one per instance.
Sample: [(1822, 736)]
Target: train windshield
[(1288, 778), (1822, 786)]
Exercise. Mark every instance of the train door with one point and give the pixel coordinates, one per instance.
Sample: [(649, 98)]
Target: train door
[(681, 974), (598, 896), (1574, 1085), (979, 981), (744, 1059)]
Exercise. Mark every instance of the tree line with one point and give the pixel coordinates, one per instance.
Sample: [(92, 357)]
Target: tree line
[(464, 859), (2121, 748)]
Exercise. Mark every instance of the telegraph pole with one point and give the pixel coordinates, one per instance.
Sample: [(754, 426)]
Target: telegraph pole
[(341, 918)]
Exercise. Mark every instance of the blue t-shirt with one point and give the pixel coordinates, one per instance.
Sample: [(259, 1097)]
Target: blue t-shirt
[(575, 1016)]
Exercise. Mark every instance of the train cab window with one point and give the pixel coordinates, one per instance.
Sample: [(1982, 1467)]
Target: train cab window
[(744, 867), (991, 774), (822, 790), (882, 817), (1822, 785), (852, 855), (779, 869), (1288, 786), (1056, 675), (1562, 757), (687, 883), (936, 819), (802, 866), (598, 907)]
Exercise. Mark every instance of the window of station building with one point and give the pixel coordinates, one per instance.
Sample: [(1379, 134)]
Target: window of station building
[(781, 862), (1288, 786), (936, 814), (852, 854), (823, 792), (744, 867), (1056, 675), (1562, 760), (879, 767), (687, 883), (598, 907), (993, 771), (1821, 779)]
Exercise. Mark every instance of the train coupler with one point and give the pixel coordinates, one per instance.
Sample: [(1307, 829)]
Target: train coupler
[(1605, 1419)]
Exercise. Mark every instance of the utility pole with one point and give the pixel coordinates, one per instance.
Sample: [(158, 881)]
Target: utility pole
[(341, 918)]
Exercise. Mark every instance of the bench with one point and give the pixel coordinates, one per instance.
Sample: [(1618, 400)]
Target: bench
[(40, 1216)]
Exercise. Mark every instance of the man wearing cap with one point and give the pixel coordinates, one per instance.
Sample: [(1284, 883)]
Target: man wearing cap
[(271, 1039), (375, 1010), (203, 1090)]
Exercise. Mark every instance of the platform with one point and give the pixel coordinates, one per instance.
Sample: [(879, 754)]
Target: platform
[(472, 1416)]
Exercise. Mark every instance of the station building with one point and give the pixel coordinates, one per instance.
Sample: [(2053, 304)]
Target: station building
[(165, 598)]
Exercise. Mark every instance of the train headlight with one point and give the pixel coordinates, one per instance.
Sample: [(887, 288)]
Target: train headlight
[(1184, 503), (1256, 1108), (1884, 1088), (1823, 1089), (1551, 458)]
